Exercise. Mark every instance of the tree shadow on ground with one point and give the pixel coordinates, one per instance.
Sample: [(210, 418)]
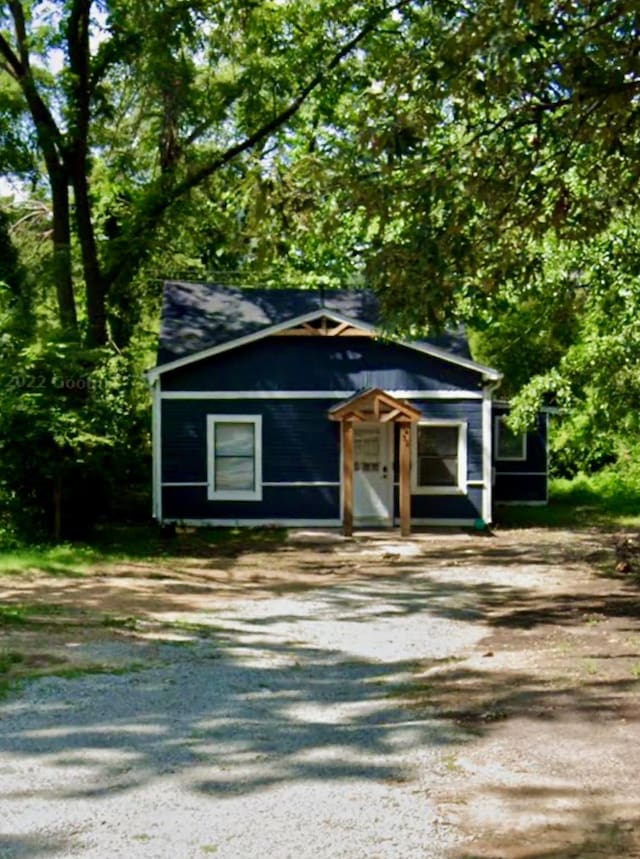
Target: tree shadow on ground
[(258, 713), (247, 708), (597, 833), (246, 716), (29, 846), (409, 589)]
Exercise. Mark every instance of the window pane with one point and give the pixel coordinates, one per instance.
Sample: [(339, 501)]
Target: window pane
[(433, 471), (234, 473), (510, 444), (437, 459), (437, 441), (234, 439)]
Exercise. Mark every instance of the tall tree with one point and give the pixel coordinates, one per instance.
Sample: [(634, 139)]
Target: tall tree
[(165, 95), (488, 126)]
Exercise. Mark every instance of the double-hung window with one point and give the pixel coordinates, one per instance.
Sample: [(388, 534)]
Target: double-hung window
[(234, 457), (509, 445), (439, 458)]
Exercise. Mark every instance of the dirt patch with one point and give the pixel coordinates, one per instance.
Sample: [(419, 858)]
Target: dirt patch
[(544, 705)]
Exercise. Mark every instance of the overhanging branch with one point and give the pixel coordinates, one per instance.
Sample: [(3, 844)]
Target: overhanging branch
[(200, 174), (19, 67)]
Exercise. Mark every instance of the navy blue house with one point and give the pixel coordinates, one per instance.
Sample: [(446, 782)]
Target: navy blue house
[(286, 407)]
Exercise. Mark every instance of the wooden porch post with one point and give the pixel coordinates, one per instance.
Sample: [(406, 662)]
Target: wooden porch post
[(347, 478), (405, 480)]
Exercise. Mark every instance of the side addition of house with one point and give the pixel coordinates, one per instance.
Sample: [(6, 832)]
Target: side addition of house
[(286, 407)]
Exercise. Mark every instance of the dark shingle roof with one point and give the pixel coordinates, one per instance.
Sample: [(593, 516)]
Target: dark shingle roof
[(197, 316)]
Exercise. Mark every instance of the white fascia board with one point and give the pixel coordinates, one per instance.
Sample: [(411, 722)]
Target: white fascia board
[(453, 394), (487, 372)]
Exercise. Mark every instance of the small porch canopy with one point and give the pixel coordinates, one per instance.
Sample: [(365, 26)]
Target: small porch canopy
[(375, 406)]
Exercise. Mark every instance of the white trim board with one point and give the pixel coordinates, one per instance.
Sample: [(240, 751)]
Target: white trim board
[(316, 395), (292, 483), (215, 494), (460, 488), (487, 463), (181, 484), (300, 523), (256, 523), (435, 352), (156, 447), (498, 425)]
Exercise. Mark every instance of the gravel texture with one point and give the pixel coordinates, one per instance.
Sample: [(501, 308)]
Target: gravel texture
[(277, 736), (452, 696)]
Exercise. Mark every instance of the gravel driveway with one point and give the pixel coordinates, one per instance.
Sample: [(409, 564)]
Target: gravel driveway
[(278, 737), (462, 696)]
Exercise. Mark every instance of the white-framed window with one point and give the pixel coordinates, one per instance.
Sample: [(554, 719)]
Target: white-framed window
[(234, 457), (509, 445), (439, 458)]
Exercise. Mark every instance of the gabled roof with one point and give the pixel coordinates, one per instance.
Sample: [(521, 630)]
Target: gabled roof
[(200, 320), (377, 405)]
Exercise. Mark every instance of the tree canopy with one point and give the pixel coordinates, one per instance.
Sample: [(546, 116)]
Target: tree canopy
[(472, 160), (133, 105)]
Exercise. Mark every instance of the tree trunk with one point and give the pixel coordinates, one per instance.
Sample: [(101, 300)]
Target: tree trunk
[(75, 156), (61, 263), (93, 279)]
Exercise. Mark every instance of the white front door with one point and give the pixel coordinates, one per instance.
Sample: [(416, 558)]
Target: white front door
[(372, 474)]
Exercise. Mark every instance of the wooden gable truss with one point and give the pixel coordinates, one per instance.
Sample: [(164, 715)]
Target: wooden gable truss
[(324, 326)]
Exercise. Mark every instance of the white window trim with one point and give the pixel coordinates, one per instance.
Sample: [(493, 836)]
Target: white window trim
[(461, 487), (234, 494), (496, 432)]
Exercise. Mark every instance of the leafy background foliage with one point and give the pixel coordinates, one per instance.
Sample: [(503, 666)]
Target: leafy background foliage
[(473, 162)]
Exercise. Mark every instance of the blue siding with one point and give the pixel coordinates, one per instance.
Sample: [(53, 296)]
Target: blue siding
[(515, 488), (446, 506), (467, 506), (299, 442), (321, 363), (299, 502), (467, 411), (523, 480)]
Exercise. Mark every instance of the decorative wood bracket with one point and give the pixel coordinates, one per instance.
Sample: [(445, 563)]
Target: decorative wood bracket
[(324, 327)]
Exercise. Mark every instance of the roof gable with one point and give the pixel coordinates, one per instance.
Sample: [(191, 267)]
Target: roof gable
[(198, 316), (374, 404), (201, 320)]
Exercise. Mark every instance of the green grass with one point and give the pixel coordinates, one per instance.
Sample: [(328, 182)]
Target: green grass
[(22, 613), (61, 560), (115, 544), (16, 670), (603, 500), (113, 621), (9, 659), (147, 541)]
